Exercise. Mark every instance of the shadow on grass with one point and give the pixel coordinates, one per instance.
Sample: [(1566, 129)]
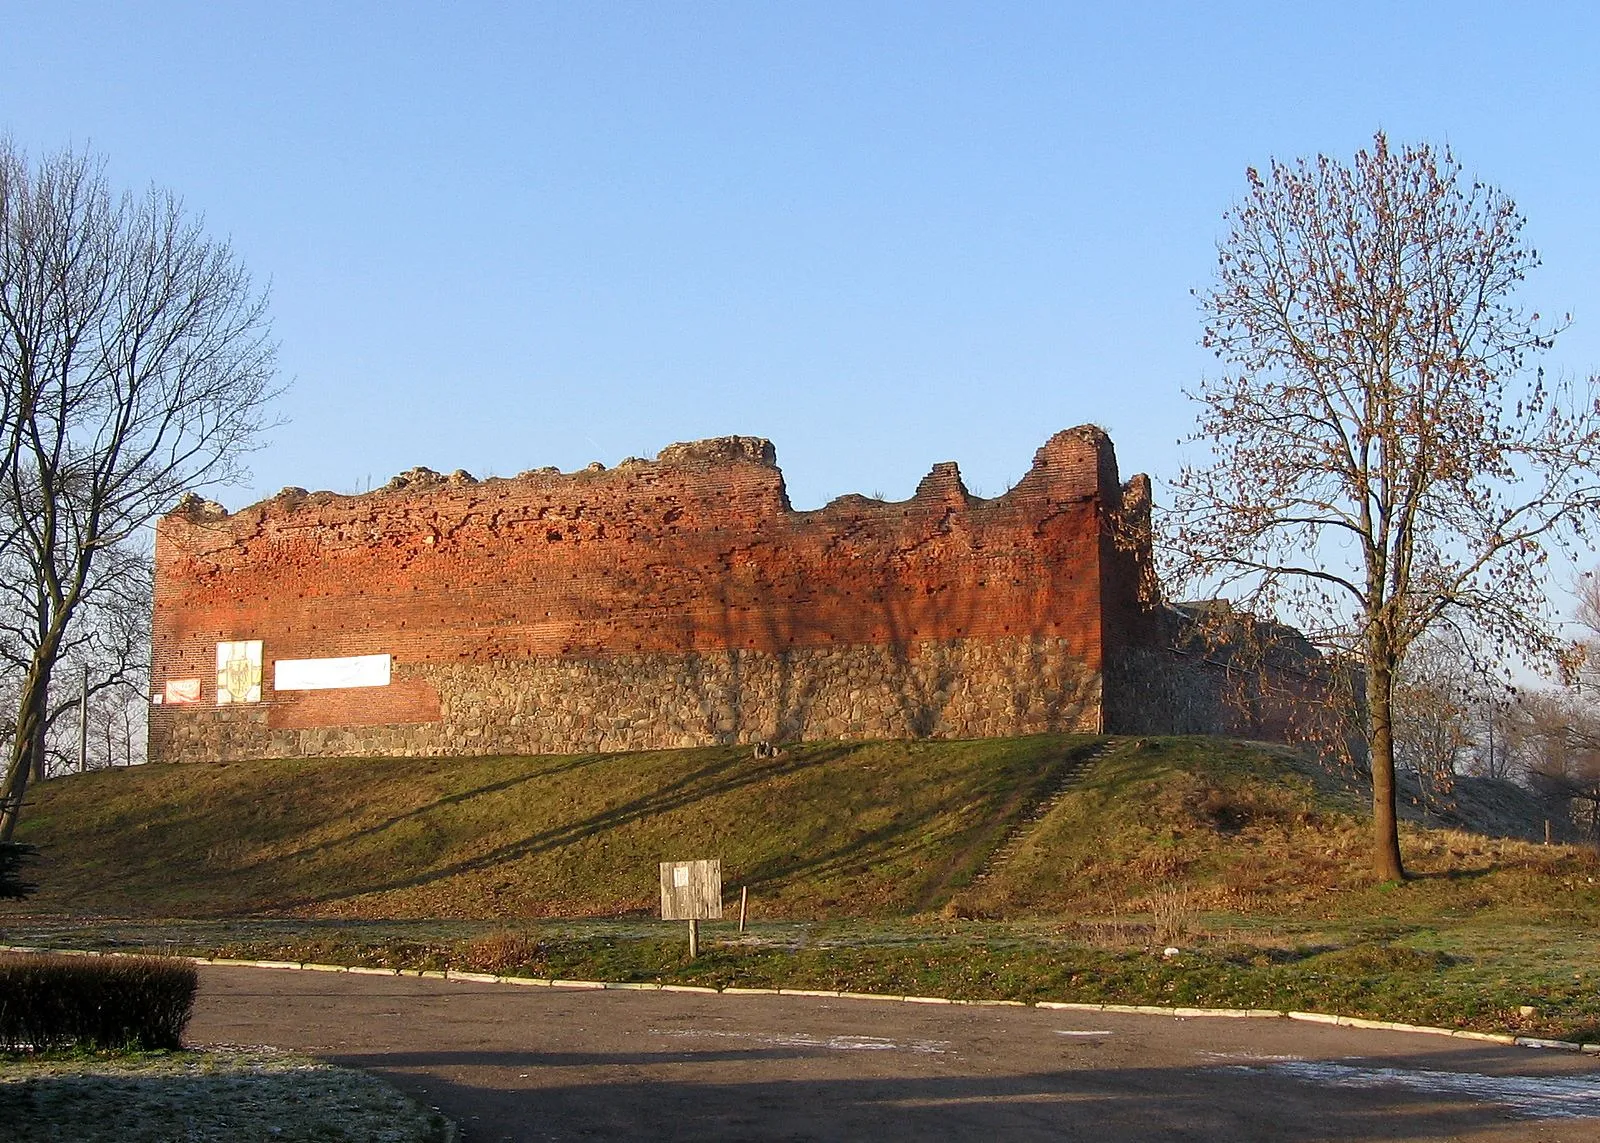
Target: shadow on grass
[(729, 774), (573, 764), (1413, 875), (1009, 820)]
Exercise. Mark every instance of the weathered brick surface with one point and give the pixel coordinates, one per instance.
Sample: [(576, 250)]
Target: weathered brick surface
[(660, 603)]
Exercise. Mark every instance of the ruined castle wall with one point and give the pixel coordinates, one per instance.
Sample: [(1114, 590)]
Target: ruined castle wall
[(1230, 675), (661, 603)]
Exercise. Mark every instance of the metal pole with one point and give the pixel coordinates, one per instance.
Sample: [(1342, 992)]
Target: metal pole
[(1493, 770), (83, 724), (744, 900)]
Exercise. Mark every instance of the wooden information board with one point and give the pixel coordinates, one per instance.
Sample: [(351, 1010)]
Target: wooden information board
[(691, 890)]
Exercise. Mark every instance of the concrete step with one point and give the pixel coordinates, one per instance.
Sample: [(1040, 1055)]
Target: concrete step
[(1014, 841)]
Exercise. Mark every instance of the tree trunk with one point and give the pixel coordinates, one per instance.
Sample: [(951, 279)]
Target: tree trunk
[(38, 764), (28, 747), (1386, 863)]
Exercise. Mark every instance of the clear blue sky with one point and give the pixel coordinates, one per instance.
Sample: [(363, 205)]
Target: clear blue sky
[(883, 235)]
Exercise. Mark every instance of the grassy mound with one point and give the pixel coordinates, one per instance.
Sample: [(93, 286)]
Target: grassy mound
[(1168, 827), (1046, 826), (881, 828)]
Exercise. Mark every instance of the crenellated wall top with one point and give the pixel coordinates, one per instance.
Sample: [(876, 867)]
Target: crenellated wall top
[(1074, 463)]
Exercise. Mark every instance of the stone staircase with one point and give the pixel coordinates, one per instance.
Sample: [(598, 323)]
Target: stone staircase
[(1063, 784)]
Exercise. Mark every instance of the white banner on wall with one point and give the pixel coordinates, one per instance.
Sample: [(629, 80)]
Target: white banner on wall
[(330, 674)]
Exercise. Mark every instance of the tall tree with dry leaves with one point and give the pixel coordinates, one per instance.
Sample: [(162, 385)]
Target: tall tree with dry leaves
[(135, 363), (1385, 459)]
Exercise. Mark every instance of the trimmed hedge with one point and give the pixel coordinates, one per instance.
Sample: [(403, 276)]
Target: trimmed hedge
[(49, 1001)]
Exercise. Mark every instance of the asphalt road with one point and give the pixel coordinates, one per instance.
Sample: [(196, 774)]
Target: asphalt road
[(515, 1063)]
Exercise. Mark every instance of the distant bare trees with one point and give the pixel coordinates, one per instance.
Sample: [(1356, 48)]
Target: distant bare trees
[(1383, 465), (1435, 701), (135, 363), (101, 680), (1557, 731), (1559, 736)]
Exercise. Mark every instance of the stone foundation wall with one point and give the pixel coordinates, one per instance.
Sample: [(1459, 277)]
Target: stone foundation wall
[(948, 689)]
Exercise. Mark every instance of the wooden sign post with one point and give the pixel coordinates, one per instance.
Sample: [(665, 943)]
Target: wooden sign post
[(691, 891)]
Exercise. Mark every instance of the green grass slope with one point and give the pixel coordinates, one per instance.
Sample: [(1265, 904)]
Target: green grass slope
[(1201, 826), (877, 829), (823, 829)]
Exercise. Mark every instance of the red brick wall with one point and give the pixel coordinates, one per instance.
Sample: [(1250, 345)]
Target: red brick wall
[(697, 551)]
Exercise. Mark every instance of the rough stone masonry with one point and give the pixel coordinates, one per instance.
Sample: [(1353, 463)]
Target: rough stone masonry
[(664, 603)]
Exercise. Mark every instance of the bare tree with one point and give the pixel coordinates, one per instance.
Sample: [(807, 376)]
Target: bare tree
[(1557, 730), (1558, 733), (104, 658), (1384, 463), (1498, 751), (1435, 703), (136, 361)]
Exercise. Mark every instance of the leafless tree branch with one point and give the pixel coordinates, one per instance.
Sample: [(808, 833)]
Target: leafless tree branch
[(136, 363)]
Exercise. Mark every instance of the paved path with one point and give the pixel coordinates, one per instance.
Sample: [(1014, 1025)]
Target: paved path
[(513, 1063)]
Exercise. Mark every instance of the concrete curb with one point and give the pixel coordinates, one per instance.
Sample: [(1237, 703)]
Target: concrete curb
[(1049, 1005)]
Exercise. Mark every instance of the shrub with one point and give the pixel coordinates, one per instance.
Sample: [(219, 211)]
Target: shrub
[(49, 1001), (1172, 913), (503, 951), (13, 855)]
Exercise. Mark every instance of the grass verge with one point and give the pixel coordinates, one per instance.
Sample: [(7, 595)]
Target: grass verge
[(214, 1095), (1468, 978)]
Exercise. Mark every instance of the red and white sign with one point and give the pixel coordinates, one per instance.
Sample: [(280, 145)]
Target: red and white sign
[(181, 691)]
